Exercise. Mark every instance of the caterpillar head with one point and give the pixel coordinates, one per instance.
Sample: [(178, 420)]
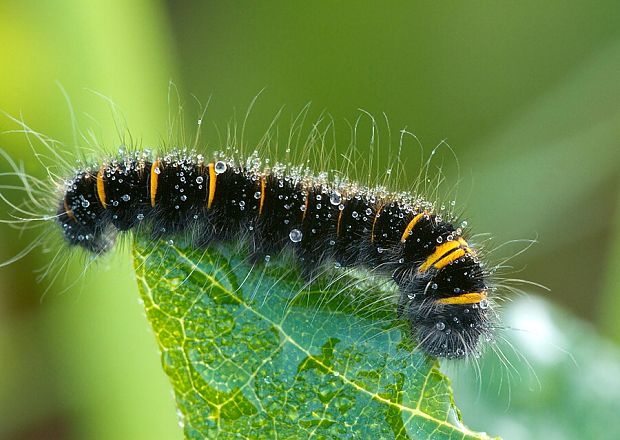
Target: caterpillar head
[(447, 306), (450, 330), (79, 214)]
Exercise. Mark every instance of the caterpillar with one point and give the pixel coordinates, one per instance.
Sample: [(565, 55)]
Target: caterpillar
[(444, 288)]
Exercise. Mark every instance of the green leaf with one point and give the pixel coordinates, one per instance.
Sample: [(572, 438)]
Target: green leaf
[(251, 353)]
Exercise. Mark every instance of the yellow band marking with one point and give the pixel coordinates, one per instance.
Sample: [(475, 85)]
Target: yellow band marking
[(466, 298), (101, 188), (303, 217), (466, 246), (339, 221), (410, 226), (262, 195), (212, 184), (154, 177), (452, 256), (439, 252), (69, 211), (374, 222)]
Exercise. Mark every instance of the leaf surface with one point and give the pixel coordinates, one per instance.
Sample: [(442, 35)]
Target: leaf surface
[(253, 352)]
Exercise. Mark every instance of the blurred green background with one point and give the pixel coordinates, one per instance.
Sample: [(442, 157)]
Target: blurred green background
[(526, 93)]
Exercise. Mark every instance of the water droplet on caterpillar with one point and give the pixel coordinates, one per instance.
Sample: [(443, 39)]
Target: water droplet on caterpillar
[(440, 326), (295, 235), (335, 198), (220, 167)]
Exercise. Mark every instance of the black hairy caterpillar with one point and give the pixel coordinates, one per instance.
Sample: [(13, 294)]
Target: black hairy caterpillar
[(443, 286)]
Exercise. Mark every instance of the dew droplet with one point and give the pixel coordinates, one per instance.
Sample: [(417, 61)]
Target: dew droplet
[(85, 203), (295, 235), (368, 211), (220, 167), (199, 179), (157, 170), (140, 217), (257, 195), (125, 197), (484, 303), (440, 326), (335, 198)]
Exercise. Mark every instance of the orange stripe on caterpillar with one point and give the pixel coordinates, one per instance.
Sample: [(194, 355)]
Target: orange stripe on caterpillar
[(101, 188), (303, 217), (262, 195), (466, 298), (212, 184), (452, 256), (339, 222), (68, 210), (440, 251), (374, 222), (410, 226), (153, 181)]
